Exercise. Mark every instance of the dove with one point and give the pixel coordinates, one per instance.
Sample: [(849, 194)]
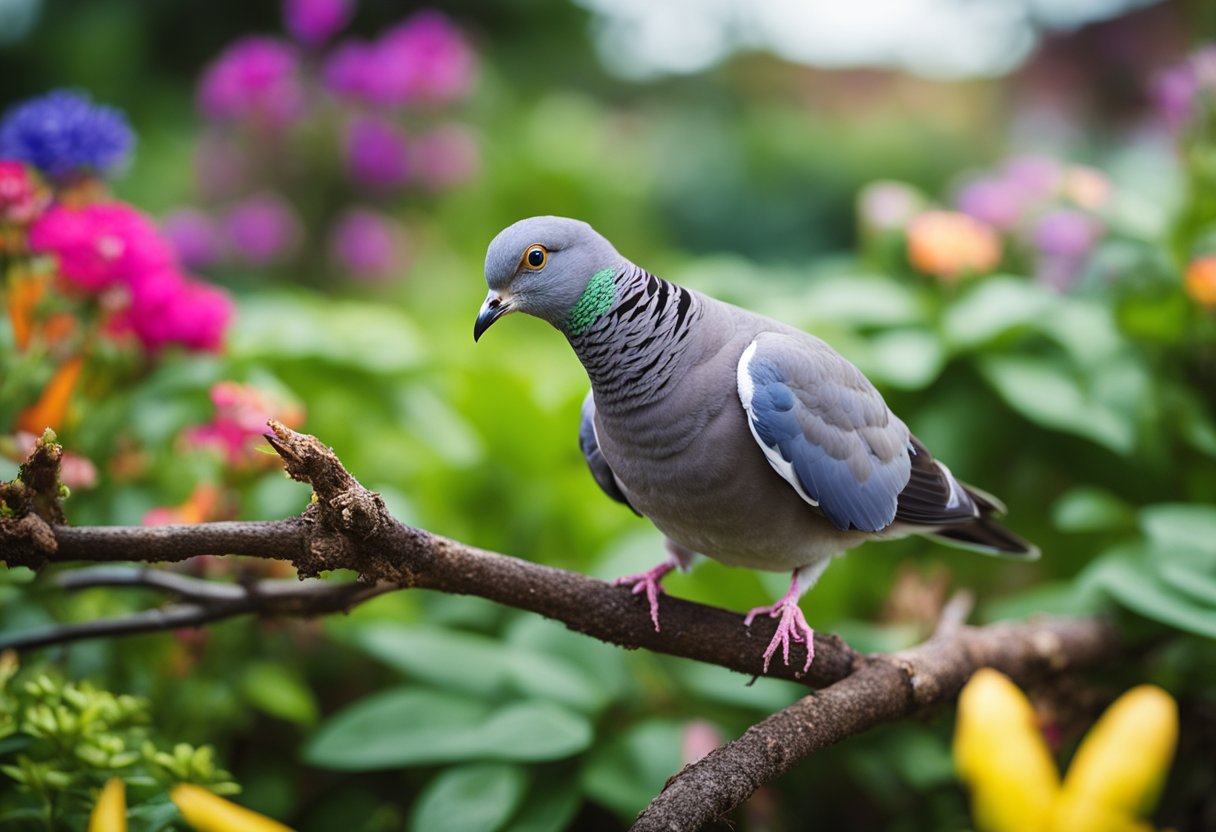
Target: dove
[(739, 437)]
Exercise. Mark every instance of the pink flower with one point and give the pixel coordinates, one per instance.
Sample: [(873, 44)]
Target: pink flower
[(241, 412), (376, 153), (992, 200), (100, 245), (256, 78), (20, 197), (445, 157), (75, 471), (367, 244), (263, 229), (313, 22), (888, 205)]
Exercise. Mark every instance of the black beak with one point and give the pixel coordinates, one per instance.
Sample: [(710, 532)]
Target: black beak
[(493, 309)]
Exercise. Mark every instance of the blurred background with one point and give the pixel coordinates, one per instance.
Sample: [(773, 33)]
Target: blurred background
[(1002, 212)]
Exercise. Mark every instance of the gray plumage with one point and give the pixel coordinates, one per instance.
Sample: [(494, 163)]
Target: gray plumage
[(738, 436)]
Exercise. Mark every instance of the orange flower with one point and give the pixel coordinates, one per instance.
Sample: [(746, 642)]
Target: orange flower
[(949, 245), (205, 504), (24, 293), (1200, 281), (52, 405)]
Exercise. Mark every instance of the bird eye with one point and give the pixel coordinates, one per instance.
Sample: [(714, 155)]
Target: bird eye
[(536, 257)]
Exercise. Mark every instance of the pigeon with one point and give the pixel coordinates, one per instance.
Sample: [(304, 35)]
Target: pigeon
[(741, 438)]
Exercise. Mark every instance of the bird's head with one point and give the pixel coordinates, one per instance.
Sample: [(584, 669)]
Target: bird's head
[(542, 266)]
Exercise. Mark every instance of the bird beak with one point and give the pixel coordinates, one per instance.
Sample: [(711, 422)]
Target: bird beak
[(495, 307)]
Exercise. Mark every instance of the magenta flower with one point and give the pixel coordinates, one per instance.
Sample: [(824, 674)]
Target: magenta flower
[(195, 237), (445, 157), (376, 153), (100, 245), (20, 197), (426, 57), (367, 244), (256, 78), (263, 229), (1176, 91), (314, 22), (168, 308)]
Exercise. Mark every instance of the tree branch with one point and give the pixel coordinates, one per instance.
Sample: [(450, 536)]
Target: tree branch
[(884, 688)]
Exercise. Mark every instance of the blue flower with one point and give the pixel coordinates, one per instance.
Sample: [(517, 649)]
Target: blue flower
[(63, 132)]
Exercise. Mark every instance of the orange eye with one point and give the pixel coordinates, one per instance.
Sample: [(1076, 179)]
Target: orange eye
[(536, 257)]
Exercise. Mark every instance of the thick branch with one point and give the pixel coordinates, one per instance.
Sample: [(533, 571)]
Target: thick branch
[(883, 689)]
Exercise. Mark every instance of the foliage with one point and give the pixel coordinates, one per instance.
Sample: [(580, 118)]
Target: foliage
[(60, 742), (1058, 352)]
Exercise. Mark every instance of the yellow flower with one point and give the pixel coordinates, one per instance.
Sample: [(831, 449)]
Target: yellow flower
[(1115, 777), (1002, 756), (1123, 760), (110, 813), (949, 245), (207, 812)]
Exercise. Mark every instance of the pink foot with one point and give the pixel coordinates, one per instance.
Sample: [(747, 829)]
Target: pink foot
[(791, 627), (648, 582)]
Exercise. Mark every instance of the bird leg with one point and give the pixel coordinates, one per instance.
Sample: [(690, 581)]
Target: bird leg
[(648, 581), (792, 626)]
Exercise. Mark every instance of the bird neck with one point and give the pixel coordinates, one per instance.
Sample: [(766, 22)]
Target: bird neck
[(631, 333)]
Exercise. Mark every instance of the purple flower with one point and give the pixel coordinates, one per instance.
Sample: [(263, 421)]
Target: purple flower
[(314, 22), (351, 69), (63, 132), (376, 153), (445, 157), (195, 237), (1173, 95), (1033, 177), (367, 244), (1064, 239), (1066, 233), (992, 200), (263, 229), (256, 78)]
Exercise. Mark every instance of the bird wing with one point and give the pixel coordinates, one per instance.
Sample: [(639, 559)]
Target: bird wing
[(589, 444), (825, 429)]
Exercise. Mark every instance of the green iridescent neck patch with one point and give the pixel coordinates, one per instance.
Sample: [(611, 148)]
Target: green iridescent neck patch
[(597, 299)]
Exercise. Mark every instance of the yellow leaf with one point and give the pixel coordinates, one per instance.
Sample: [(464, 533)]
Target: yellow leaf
[(1122, 763), (110, 813), (1002, 756), (208, 813)]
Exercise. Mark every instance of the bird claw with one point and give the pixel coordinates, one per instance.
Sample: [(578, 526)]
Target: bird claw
[(791, 627), (648, 582)]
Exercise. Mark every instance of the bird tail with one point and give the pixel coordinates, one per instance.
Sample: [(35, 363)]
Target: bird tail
[(984, 534)]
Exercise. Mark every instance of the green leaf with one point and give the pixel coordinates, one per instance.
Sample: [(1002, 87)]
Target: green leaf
[(1129, 578), (1047, 395), (625, 773), (1089, 509), (471, 798), (1180, 526), (1197, 585), (412, 726), (402, 727), (992, 308), (479, 665), (717, 684), (276, 689), (906, 358), (374, 337), (550, 806)]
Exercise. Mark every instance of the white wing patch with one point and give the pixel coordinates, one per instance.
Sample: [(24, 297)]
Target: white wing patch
[(779, 464)]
